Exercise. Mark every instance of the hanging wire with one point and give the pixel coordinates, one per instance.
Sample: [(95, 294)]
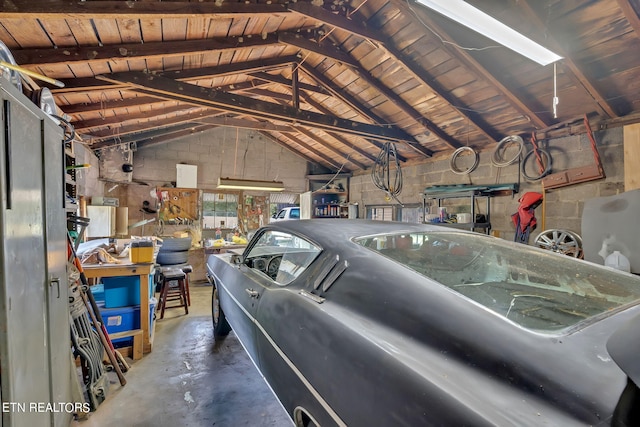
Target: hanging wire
[(498, 160), (381, 173)]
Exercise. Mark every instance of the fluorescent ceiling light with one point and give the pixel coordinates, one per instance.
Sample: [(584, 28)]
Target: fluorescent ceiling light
[(475, 19), (249, 184)]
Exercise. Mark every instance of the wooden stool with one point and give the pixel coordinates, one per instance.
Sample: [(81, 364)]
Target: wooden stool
[(173, 289), (186, 269)]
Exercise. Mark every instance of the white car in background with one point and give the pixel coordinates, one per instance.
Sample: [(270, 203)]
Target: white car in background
[(292, 212)]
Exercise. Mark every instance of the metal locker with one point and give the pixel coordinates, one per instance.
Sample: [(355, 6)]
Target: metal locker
[(34, 322)]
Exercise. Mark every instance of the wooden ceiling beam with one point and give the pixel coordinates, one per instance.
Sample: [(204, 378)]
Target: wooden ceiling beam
[(146, 134), (115, 104), (320, 14), (580, 78), (321, 48), (156, 121), (359, 29), (277, 78), (91, 54), (467, 60), (347, 157), (172, 136), (356, 105), (286, 146), (197, 95), (101, 123), (110, 104), (630, 14), (326, 159), (234, 68), (322, 109), (136, 9)]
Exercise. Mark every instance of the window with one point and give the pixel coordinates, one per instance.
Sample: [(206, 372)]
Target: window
[(281, 256), (219, 210), (531, 287)]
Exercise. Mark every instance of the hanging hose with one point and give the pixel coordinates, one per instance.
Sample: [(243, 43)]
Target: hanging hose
[(498, 160), (454, 157), (381, 173)]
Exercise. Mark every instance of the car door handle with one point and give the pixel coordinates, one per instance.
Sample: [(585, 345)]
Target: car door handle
[(252, 293)]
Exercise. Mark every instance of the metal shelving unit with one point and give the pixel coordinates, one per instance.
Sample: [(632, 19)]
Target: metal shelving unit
[(440, 193)]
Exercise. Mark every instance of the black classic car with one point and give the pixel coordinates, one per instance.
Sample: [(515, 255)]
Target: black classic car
[(369, 323)]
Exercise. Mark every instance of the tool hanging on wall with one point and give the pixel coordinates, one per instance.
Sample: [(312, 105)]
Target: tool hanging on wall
[(383, 177), (579, 174)]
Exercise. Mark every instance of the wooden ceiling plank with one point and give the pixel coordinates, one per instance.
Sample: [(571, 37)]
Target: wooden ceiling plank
[(466, 59), (577, 75), (117, 50), (349, 25), (138, 10), (244, 105)]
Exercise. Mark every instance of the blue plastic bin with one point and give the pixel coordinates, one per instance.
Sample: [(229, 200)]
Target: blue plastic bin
[(121, 291), (119, 320)]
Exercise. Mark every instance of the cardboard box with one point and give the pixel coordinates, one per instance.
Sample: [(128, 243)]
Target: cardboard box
[(180, 234)]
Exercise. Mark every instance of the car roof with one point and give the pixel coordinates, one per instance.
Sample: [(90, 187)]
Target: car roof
[(328, 231)]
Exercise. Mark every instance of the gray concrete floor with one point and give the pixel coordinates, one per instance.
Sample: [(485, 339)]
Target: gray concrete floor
[(190, 380)]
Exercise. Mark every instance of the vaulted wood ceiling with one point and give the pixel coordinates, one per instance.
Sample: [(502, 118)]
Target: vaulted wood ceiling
[(332, 81)]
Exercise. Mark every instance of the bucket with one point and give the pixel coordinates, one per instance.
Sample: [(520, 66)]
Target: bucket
[(618, 261), (463, 218)]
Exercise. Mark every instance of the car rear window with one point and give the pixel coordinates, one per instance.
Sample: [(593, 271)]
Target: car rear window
[(537, 289)]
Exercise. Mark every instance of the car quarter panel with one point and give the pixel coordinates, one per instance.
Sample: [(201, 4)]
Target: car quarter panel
[(380, 350)]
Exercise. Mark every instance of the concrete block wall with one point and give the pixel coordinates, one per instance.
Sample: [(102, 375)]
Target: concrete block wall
[(563, 207), (88, 183), (221, 152)]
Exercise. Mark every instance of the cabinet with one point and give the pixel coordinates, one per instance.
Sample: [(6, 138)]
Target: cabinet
[(471, 193), (329, 196), (35, 344), (102, 221)]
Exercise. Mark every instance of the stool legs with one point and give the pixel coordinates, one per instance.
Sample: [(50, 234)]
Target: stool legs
[(174, 293)]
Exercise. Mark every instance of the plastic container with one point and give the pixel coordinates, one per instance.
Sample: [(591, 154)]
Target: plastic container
[(119, 320), (618, 261), (141, 252), (121, 291), (98, 292)]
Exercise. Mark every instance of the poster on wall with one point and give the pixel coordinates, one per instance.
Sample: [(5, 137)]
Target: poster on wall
[(178, 205), (254, 211)]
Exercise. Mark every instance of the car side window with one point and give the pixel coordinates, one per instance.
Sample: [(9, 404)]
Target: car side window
[(295, 213), (282, 214), (282, 256)]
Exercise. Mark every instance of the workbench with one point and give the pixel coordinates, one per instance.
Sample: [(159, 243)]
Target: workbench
[(93, 271)]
